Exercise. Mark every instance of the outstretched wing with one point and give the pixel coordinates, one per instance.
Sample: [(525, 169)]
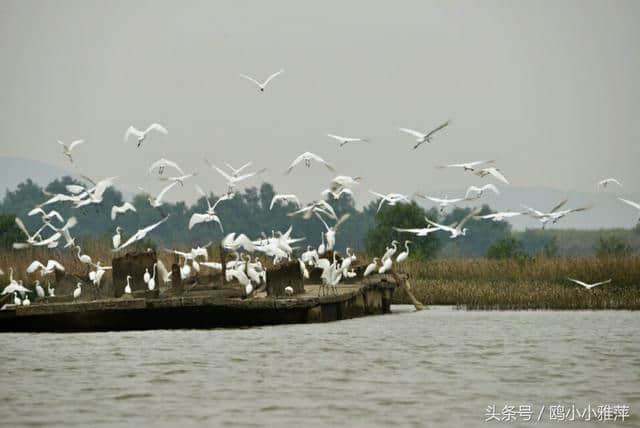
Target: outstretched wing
[(157, 127), (197, 219), (165, 190), (75, 143), (626, 201), (412, 132), (132, 131), (560, 205), (469, 216), (251, 79), (585, 285), (438, 128), (277, 73), (34, 266), (295, 162), (20, 224)]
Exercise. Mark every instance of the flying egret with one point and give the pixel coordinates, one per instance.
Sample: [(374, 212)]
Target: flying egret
[(589, 286), (626, 201), (390, 198), (500, 216), (307, 157), (46, 216), (423, 137), (115, 210), (466, 166), (179, 179), (141, 135), (163, 163), (331, 231), (495, 172), (604, 183), (346, 140), (286, 198), (442, 202), (418, 231), (47, 269), (157, 201), (66, 149), (141, 234), (263, 85), (456, 229), (479, 191)]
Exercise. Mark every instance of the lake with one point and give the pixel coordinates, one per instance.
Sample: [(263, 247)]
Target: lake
[(441, 367)]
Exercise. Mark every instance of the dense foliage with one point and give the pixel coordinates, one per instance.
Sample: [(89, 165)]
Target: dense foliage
[(249, 213)]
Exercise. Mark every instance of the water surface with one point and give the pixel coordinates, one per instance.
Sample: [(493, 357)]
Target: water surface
[(440, 367)]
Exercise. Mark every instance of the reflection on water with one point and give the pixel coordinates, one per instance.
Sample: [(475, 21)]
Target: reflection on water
[(441, 367)]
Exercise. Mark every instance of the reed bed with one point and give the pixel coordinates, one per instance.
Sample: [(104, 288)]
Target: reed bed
[(539, 283)]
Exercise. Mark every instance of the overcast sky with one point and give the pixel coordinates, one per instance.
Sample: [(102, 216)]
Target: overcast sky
[(550, 89)]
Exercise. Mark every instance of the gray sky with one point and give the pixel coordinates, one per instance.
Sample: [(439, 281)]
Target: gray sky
[(549, 89)]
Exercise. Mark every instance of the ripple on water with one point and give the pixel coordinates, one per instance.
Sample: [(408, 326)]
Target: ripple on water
[(443, 366)]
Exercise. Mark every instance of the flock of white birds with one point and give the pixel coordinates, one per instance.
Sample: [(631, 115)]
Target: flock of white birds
[(247, 268)]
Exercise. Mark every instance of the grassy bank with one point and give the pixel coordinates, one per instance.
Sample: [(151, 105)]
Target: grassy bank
[(540, 283)]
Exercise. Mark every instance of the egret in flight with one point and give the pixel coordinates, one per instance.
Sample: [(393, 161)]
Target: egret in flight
[(423, 137), (141, 135), (262, 86), (66, 149)]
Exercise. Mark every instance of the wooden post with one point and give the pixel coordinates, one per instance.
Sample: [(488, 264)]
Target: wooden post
[(176, 278), (403, 283), (223, 262)]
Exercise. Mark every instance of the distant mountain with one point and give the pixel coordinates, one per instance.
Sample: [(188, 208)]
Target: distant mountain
[(607, 211), (16, 170)]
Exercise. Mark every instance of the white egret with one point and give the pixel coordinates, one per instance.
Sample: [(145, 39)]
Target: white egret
[(390, 250), (386, 265), (127, 288), (77, 291), (604, 183), (151, 284), (316, 207), (66, 149), (307, 157), (51, 291), (163, 163), (331, 231), (466, 166), (141, 135), (117, 238), (147, 276), (84, 258), (141, 234), (423, 137), (500, 216), (286, 198), (456, 229), (418, 231), (178, 179), (442, 202), (626, 201), (346, 140), (405, 254), (589, 286), (390, 198), (16, 300), (288, 290), (495, 172), (371, 267), (115, 210), (157, 201), (479, 191), (262, 86), (46, 216), (50, 267)]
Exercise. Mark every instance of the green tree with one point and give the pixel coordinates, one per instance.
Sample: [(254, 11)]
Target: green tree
[(506, 248), (9, 231), (405, 216), (612, 246)]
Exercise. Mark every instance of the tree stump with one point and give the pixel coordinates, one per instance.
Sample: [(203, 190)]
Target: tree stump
[(284, 275)]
